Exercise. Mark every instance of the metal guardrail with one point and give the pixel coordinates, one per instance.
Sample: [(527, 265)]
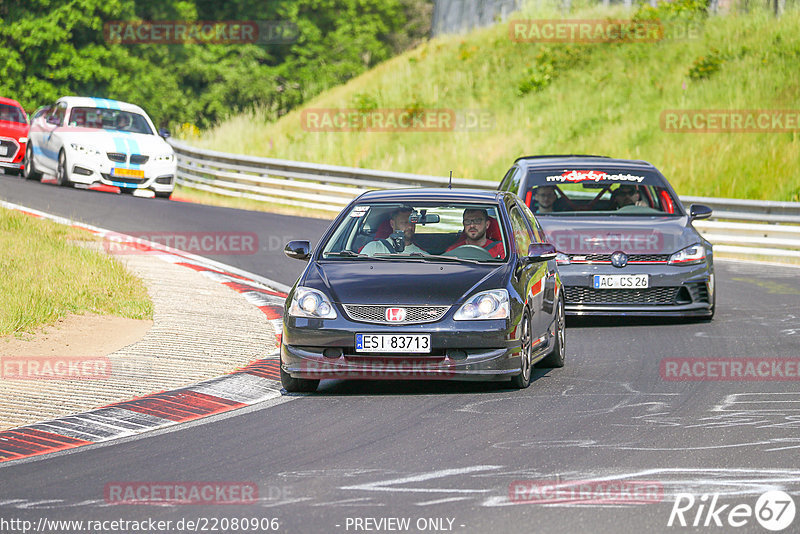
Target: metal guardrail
[(740, 227)]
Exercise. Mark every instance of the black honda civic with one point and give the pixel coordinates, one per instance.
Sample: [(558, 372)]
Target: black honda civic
[(625, 243), (433, 284)]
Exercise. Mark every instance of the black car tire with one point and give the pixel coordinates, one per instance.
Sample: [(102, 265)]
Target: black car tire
[(523, 379), (164, 195), (61, 171), (126, 190), (298, 385), (557, 355), (30, 172)]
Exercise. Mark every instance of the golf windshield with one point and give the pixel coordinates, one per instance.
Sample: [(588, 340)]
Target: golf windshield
[(602, 192)]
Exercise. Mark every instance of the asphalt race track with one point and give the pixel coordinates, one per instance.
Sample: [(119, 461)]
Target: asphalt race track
[(451, 457)]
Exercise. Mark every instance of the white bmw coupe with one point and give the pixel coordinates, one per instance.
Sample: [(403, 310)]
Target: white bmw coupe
[(88, 141)]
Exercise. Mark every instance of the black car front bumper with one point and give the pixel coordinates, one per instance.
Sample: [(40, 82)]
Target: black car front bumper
[(460, 350)]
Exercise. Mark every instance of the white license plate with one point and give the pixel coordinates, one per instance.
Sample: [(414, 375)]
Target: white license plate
[(3, 150), (393, 343), (621, 281)]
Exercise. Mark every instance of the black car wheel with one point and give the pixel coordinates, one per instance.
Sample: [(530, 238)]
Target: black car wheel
[(557, 355), (30, 172), (297, 385), (61, 171), (523, 379)]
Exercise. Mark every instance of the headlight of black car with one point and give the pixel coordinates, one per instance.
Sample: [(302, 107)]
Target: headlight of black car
[(484, 305), (689, 256), (307, 302)]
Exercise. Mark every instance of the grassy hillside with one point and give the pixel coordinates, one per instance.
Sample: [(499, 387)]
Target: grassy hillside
[(567, 98)]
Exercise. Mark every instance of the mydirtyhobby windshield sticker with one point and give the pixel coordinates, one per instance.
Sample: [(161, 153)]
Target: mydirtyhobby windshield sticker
[(593, 176)]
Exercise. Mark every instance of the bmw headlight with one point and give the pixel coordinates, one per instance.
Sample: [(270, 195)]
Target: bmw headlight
[(85, 149), (485, 305), (562, 259), (689, 256), (307, 302)]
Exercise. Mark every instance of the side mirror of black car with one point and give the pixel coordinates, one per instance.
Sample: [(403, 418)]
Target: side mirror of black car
[(298, 250), (540, 252), (699, 211)]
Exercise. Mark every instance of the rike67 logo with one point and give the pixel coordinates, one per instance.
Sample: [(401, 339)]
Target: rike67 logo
[(774, 510)]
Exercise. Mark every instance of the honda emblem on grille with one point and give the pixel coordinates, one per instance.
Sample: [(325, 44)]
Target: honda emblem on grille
[(395, 315)]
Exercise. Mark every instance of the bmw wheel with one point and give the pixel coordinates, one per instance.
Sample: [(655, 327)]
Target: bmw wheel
[(29, 172), (558, 354), (61, 172), (523, 379)]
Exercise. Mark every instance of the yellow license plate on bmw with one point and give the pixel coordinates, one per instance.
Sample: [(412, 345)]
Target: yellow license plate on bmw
[(127, 173)]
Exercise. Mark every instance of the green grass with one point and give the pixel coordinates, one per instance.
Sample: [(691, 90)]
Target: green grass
[(556, 98), (45, 276)]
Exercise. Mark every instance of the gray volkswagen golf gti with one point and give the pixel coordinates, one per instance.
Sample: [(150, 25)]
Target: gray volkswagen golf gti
[(626, 244)]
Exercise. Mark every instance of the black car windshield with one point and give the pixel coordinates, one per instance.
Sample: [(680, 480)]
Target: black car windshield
[(109, 119), (422, 231), (9, 113), (599, 192)]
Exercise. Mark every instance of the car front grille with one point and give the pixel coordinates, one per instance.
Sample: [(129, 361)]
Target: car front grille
[(606, 258), (139, 159), (377, 314), (124, 180), (11, 149), (657, 296), (116, 156)]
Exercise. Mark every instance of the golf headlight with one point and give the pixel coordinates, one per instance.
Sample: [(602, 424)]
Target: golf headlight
[(485, 305), (23, 139), (311, 303), (689, 256), (85, 149), (562, 259)]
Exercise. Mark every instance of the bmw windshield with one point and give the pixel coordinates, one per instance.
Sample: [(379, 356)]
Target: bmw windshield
[(109, 119)]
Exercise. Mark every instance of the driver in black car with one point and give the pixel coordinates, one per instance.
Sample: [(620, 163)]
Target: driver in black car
[(476, 224)]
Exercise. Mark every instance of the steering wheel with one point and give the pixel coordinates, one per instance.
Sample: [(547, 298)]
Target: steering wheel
[(469, 252)]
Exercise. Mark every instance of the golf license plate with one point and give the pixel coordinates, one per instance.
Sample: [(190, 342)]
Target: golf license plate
[(415, 343), (127, 173), (621, 281)]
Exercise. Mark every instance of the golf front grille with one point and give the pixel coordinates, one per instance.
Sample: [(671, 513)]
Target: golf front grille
[(377, 314), (657, 296)]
